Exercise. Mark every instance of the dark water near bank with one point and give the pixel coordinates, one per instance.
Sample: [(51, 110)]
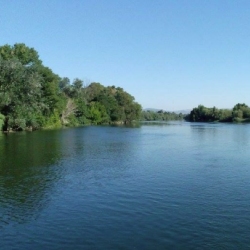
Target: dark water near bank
[(165, 186)]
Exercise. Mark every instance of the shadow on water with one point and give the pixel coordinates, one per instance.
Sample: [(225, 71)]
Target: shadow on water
[(26, 173), (34, 165)]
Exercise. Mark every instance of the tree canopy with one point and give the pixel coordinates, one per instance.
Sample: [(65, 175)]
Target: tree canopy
[(239, 113), (32, 96), (160, 115)]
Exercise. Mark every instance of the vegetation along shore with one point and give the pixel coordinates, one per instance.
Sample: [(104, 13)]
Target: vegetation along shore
[(32, 96)]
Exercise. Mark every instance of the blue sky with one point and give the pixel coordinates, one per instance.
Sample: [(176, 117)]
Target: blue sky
[(170, 55)]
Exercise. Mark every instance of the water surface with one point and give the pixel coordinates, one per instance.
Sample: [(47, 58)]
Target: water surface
[(156, 186)]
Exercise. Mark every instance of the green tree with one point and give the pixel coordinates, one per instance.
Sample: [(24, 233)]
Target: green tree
[(241, 110), (33, 96), (64, 83), (20, 92), (93, 90), (25, 55), (97, 113)]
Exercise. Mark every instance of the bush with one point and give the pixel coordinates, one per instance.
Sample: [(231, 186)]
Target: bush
[(53, 121)]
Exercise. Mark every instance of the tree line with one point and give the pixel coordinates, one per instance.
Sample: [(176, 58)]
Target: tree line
[(148, 115), (32, 96), (239, 113)]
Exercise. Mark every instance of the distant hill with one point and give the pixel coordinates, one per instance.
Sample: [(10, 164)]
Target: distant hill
[(151, 109), (184, 111)]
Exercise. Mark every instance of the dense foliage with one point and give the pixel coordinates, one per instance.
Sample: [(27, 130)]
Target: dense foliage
[(160, 115), (32, 96), (239, 113)]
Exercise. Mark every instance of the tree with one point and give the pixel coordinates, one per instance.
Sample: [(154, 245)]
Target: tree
[(64, 83), (20, 93), (97, 113), (241, 110), (26, 55), (32, 95), (29, 91), (93, 90)]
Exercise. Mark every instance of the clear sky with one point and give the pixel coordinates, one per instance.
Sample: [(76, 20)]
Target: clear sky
[(169, 55)]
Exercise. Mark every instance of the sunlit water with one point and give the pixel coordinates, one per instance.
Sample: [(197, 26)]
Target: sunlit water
[(166, 186)]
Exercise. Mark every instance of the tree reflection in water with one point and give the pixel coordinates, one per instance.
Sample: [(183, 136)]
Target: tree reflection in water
[(27, 171)]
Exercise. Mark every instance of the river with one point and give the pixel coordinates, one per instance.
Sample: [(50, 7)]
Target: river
[(174, 185)]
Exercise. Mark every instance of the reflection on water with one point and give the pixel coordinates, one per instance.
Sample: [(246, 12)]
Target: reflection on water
[(175, 185), (31, 164), (26, 176)]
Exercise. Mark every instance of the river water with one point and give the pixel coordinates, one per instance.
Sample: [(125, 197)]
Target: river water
[(155, 186)]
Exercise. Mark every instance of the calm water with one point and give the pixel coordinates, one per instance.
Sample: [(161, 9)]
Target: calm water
[(166, 186)]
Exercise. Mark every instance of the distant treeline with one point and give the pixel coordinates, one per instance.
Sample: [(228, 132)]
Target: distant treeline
[(239, 113), (160, 115), (32, 96)]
